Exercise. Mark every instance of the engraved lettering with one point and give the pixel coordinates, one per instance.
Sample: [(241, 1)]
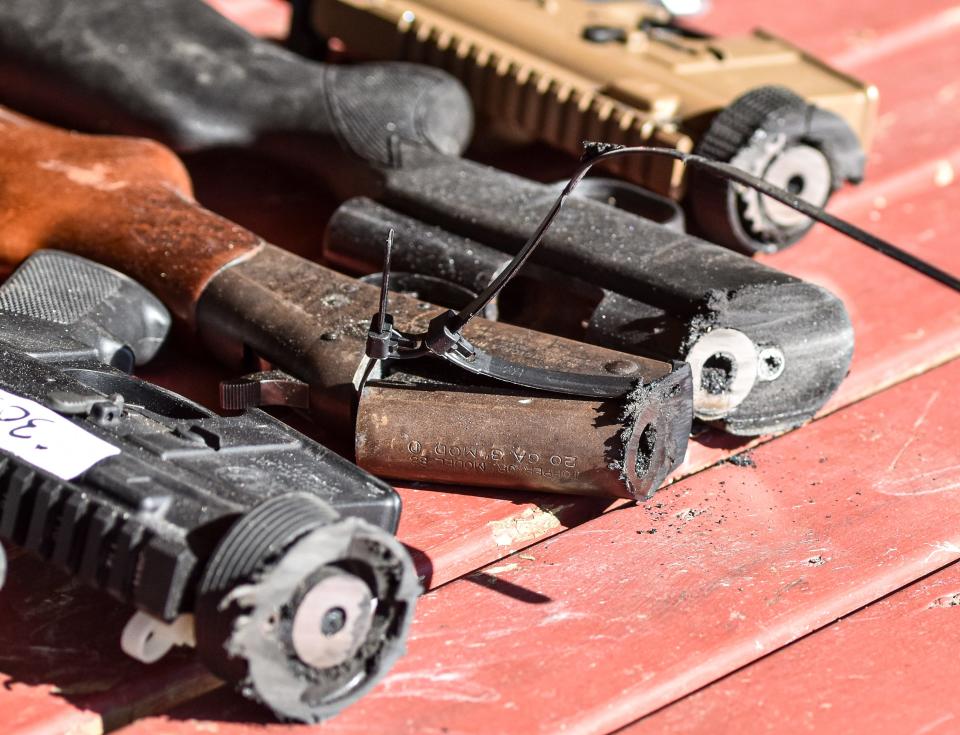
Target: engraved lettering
[(456, 459)]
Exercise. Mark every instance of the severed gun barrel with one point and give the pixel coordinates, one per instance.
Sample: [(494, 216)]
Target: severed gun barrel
[(127, 202), (272, 555), (766, 349)]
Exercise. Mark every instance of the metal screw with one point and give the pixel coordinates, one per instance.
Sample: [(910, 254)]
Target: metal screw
[(770, 363)]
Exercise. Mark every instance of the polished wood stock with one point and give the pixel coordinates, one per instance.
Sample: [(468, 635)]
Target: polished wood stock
[(125, 202)]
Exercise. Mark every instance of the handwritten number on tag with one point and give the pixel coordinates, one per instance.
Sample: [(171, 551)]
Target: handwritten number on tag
[(48, 440), (21, 417), (24, 430), (17, 431)]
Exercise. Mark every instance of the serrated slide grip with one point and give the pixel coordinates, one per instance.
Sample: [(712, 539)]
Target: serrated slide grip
[(56, 300)]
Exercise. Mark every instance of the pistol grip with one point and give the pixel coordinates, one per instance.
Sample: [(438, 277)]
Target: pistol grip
[(56, 301)]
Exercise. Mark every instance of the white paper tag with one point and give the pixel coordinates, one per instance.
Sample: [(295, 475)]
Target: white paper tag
[(47, 440)]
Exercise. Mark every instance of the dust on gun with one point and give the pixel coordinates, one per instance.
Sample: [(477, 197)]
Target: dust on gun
[(269, 553), (627, 72)]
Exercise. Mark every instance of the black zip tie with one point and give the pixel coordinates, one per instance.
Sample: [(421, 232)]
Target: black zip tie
[(444, 336)]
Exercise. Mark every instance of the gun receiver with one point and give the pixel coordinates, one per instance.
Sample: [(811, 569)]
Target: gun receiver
[(624, 72), (166, 506), (127, 203), (688, 299)]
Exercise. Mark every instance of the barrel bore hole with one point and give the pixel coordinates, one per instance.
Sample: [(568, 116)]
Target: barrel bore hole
[(333, 621), (717, 373), (795, 185), (645, 447)]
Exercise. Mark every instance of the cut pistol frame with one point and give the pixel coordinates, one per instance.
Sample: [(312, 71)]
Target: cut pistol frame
[(625, 72), (269, 553)]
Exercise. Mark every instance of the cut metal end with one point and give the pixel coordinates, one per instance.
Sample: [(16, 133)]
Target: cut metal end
[(723, 365), (624, 447), (657, 419)]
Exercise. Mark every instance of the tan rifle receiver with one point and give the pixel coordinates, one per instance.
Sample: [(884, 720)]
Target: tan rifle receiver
[(564, 71)]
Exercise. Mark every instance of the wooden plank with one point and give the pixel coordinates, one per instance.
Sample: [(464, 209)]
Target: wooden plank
[(456, 532), (58, 656), (268, 18), (853, 31), (587, 631), (888, 668)]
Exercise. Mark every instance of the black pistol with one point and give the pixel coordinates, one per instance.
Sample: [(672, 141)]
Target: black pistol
[(271, 554)]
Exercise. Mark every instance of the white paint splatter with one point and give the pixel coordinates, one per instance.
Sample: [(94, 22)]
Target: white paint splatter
[(437, 686), (96, 177), (943, 174), (943, 547)]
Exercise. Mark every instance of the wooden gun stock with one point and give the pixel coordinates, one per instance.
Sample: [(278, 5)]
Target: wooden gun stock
[(125, 202)]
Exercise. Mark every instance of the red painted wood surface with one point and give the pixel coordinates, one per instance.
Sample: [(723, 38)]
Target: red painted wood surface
[(269, 18), (61, 671), (589, 630), (846, 32), (890, 667), (904, 326)]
